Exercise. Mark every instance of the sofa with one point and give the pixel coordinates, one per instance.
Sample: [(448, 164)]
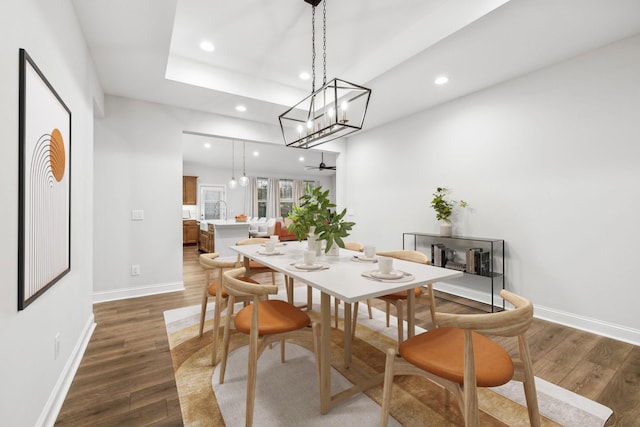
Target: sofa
[(282, 231), (271, 227)]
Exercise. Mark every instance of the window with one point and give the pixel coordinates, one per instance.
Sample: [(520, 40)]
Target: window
[(261, 188), (286, 196), (213, 205)]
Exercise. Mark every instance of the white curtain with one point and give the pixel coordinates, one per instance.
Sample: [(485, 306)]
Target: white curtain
[(298, 191), (273, 198), (251, 198)]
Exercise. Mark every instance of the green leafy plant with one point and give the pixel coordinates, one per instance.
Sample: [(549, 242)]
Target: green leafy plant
[(333, 228), (315, 210), (443, 206)]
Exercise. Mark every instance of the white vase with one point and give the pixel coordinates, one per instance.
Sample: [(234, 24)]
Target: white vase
[(311, 242), (445, 228)]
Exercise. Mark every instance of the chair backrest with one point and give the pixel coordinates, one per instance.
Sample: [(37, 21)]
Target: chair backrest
[(354, 246), (407, 255), (252, 241), (206, 260), (506, 323), (240, 288)]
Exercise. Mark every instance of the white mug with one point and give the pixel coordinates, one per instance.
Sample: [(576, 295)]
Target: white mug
[(386, 264), (309, 257), (269, 246), (274, 238), (369, 251)]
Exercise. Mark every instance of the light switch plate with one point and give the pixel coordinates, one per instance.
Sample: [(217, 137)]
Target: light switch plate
[(137, 215)]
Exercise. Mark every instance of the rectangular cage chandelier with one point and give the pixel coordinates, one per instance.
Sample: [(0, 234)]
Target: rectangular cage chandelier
[(335, 110)]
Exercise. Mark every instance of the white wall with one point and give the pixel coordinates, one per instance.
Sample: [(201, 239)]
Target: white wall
[(138, 166), (32, 382), (548, 162)]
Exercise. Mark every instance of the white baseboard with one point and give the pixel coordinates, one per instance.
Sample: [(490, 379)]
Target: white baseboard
[(618, 332), (141, 291), (52, 408), (611, 330)]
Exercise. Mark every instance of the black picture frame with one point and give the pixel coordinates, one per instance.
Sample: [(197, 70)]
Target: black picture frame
[(44, 229)]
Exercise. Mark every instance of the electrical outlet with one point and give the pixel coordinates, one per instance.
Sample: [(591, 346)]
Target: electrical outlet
[(56, 346), (135, 270)]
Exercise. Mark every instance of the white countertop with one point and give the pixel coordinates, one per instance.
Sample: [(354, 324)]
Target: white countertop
[(219, 223)]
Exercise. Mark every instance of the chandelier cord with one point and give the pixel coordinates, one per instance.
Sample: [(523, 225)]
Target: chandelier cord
[(313, 49), (324, 42)]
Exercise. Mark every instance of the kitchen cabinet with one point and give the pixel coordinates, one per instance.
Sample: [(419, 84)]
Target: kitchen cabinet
[(189, 190), (207, 239), (190, 231)]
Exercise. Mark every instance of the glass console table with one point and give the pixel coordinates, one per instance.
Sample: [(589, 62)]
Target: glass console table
[(481, 259)]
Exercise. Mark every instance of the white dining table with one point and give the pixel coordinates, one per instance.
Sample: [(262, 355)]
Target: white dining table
[(343, 279)]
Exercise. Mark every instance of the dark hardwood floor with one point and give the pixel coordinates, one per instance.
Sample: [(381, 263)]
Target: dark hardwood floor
[(126, 375)]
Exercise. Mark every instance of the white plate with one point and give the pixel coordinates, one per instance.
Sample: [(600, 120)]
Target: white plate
[(393, 274), (270, 253), (303, 266)]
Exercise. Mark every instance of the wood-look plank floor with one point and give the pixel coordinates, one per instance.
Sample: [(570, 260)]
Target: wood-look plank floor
[(126, 375)]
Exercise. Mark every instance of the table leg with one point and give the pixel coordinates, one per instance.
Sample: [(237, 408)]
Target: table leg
[(411, 311), (325, 353), (347, 334), (288, 280)]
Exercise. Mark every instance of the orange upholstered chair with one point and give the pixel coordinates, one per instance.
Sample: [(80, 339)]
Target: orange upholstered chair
[(458, 357), (265, 321), (254, 266), (398, 298), (213, 262)]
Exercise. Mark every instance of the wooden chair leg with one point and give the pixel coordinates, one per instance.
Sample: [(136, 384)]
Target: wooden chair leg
[(203, 311), (400, 312), (205, 299), (388, 384), (252, 371), (529, 383), (220, 305), (226, 337), (309, 298), (369, 308), (387, 304), (336, 303)]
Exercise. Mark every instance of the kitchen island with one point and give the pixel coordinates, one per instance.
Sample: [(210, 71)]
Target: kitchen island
[(225, 234)]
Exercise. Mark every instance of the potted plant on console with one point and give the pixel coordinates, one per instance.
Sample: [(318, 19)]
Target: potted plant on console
[(444, 209), (314, 219)]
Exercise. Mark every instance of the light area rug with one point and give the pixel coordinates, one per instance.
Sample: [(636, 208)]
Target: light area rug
[(287, 394)]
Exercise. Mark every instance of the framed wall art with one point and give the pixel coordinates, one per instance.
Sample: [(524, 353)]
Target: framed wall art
[(44, 240)]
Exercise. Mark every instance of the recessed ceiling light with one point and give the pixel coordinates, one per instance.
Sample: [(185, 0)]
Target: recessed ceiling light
[(305, 76), (301, 159), (256, 154), (207, 145), (207, 46), (241, 108), (441, 80)]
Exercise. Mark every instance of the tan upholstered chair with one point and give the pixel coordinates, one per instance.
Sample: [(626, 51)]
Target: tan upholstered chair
[(265, 321), (254, 266), (398, 299), (458, 357), (212, 262)]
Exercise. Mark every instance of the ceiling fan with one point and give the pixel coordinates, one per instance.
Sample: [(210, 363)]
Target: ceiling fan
[(322, 165)]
